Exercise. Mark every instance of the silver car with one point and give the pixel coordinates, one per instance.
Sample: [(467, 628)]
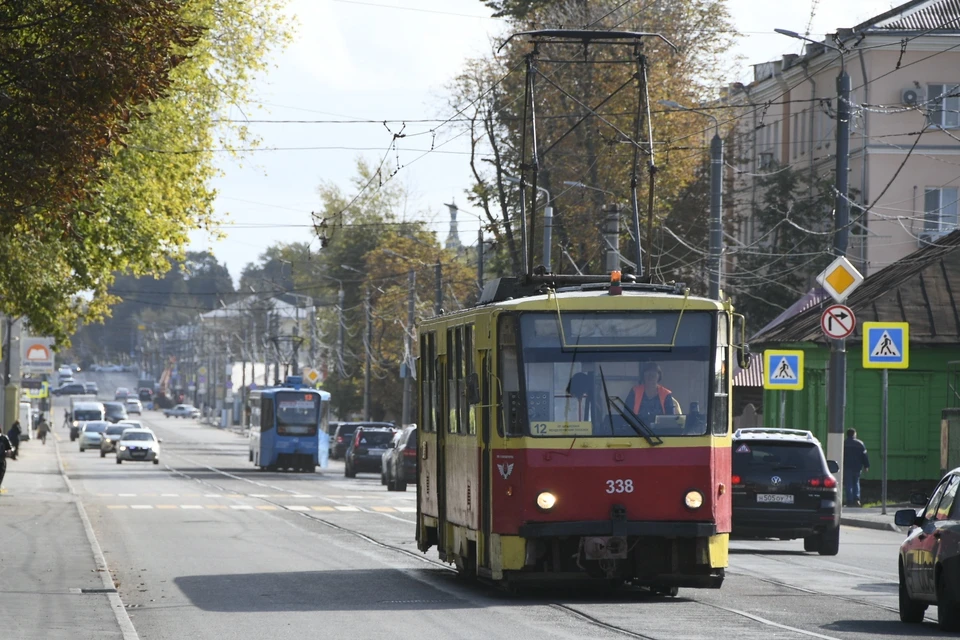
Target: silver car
[(139, 445), (91, 434), (111, 437)]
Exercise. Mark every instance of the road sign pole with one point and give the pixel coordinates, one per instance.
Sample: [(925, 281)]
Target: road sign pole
[(883, 442), (837, 399), (783, 409)]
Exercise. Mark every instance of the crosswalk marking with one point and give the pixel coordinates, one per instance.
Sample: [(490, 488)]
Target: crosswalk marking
[(141, 506), (298, 508), (266, 507), (169, 495), (347, 509), (259, 495), (126, 495), (384, 509), (322, 508), (167, 506), (191, 506), (211, 495), (407, 509), (216, 506), (241, 507), (301, 495)]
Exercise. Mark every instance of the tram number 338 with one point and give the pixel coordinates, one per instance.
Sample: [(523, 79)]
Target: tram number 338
[(619, 486)]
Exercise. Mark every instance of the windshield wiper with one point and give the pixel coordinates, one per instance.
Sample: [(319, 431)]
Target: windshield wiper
[(636, 422)]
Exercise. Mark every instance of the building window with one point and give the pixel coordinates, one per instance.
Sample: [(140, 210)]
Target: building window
[(940, 209), (943, 105)]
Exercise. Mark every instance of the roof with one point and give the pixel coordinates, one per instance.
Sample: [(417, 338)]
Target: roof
[(812, 298), (916, 15), (752, 377), (921, 289)]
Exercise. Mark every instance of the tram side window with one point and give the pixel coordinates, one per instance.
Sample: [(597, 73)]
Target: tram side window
[(468, 423), (428, 380), (720, 417), (508, 392), (255, 415), (266, 414), (453, 369)]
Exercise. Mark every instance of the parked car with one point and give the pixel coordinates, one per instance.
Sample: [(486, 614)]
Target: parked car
[(402, 460), (139, 445), (134, 406), (182, 411), (108, 443), (783, 487), (91, 434), (91, 388), (71, 389), (366, 450), (343, 432), (115, 411), (929, 562), (122, 393), (386, 456)]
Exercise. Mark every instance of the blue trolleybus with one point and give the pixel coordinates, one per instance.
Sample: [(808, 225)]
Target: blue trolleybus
[(286, 424)]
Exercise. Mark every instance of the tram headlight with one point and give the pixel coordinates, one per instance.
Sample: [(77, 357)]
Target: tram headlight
[(693, 499), (546, 500)]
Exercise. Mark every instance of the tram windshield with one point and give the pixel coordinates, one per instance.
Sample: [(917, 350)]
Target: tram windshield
[(635, 374), (297, 413)]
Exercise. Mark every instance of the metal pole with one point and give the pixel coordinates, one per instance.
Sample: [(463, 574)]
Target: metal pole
[(408, 352), (480, 259), (339, 329), (547, 234), (716, 213), (367, 347), (838, 351), (783, 409), (884, 415), (612, 237), (438, 300)]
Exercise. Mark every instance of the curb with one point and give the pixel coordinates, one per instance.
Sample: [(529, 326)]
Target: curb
[(864, 523)]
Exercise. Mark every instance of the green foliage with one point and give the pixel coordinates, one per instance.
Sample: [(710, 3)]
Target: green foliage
[(517, 9), (111, 161), (793, 237)]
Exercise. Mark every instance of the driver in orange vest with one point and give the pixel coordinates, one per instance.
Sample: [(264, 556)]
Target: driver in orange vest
[(650, 399)]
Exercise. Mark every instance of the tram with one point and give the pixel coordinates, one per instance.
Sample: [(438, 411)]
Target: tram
[(579, 427), (285, 424)]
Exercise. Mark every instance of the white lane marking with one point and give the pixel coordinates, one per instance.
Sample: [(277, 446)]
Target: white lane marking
[(191, 506), (141, 506), (347, 508), (212, 495), (126, 495), (169, 495), (301, 495), (241, 507), (406, 509), (259, 495), (298, 508)]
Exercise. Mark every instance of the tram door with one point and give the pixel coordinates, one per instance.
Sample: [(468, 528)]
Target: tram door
[(485, 463), (444, 373)]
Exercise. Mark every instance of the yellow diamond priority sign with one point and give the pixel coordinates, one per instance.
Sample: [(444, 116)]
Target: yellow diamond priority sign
[(312, 376), (840, 279)]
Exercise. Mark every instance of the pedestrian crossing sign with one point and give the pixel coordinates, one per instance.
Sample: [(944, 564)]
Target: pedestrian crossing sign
[(886, 345), (783, 370)]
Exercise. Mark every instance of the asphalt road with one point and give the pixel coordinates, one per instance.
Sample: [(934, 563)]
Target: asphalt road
[(205, 546)]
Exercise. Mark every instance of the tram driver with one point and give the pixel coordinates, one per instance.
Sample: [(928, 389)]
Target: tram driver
[(649, 398)]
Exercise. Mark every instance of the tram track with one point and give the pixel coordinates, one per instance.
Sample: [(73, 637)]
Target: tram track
[(567, 609)]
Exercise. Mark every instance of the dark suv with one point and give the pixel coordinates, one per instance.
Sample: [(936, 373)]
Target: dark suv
[(783, 488), (366, 449), (342, 432), (115, 411)]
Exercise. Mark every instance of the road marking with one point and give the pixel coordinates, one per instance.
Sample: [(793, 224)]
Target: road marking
[(407, 509), (241, 507), (259, 495), (126, 495), (216, 506), (266, 507), (117, 506), (211, 495), (298, 508), (322, 508), (167, 506), (233, 495), (771, 623), (346, 508), (191, 506), (300, 495), (141, 506), (384, 509), (169, 495)]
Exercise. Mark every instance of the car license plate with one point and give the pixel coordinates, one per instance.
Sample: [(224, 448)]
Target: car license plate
[(376, 452), (783, 498)]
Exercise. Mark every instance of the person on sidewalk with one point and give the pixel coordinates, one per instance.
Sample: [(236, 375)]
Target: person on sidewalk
[(5, 448), (14, 435), (855, 462), (43, 429)]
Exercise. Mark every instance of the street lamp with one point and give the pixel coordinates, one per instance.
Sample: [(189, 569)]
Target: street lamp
[(837, 394), (547, 220), (716, 198)]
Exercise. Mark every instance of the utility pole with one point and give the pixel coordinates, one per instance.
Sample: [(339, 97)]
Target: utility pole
[(480, 258), (716, 213), (295, 354), (408, 352), (340, 329), (611, 233), (438, 300), (547, 230), (313, 336), (367, 347)]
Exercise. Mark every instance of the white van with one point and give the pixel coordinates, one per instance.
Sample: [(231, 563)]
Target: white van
[(26, 421)]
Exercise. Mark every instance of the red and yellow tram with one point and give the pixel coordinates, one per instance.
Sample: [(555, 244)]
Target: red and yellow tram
[(576, 427)]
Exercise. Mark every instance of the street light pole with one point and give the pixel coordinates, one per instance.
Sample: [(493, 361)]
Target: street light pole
[(837, 392), (715, 266), (408, 351)]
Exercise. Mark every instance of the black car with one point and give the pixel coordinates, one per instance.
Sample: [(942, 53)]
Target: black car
[(91, 388), (783, 488), (115, 411), (929, 563), (72, 389), (342, 432), (366, 449), (402, 461)]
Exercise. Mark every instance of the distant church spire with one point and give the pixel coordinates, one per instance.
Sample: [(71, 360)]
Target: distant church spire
[(453, 238)]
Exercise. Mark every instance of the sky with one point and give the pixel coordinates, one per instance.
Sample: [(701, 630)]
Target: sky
[(391, 60)]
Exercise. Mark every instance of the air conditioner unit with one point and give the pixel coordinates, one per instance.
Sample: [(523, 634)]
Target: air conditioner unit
[(910, 97)]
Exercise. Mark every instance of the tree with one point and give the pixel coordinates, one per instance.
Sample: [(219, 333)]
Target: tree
[(794, 231), (130, 95), (587, 117)]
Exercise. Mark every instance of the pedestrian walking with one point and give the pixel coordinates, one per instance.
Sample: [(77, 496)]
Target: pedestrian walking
[(5, 448), (855, 462), (43, 429), (14, 435)]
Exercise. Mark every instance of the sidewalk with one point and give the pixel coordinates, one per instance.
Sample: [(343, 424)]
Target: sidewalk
[(46, 560), (871, 518)]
